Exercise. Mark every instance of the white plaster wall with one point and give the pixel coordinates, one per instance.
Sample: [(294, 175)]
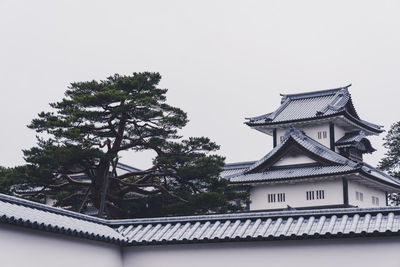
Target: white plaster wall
[(20, 247), (339, 133), (368, 192), (365, 252), (311, 131), (279, 133), (295, 194), (293, 159)]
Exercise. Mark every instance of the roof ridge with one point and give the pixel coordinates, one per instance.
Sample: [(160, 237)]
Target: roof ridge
[(236, 164), (256, 214), (317, 93)]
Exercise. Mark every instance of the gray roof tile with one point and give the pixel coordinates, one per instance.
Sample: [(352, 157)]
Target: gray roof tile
[(312, 105), (339, 164), (353, 138), (310, 145), (205, 228), (265, 225), (34, 215), (290, 173)]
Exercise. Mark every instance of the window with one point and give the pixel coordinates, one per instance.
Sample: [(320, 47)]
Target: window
[(322, 135), (375, 201), (280, 197), (320, 194), (317, 194), (271, 198), (359, 196), (281, 139)]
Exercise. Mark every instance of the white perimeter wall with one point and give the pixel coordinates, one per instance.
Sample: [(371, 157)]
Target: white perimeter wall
[(295, 194), (365, 252), (368, 192), (21, 247)]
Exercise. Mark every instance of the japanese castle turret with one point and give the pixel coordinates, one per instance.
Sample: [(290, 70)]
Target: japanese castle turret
[(317, 156)]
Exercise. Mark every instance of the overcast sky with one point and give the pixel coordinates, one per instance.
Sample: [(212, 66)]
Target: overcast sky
[(222, 61)]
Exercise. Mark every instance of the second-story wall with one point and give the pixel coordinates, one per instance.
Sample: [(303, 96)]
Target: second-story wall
[(319, 133), (362, 196), (295, 195)]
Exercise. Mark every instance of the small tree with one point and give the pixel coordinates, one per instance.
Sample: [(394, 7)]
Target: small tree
[(391, 161), (95, 122)]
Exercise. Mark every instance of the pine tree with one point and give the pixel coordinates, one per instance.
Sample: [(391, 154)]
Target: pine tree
[(96, 121)]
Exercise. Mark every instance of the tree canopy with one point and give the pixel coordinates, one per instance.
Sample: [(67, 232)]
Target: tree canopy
[(79, 144), (391, 161)]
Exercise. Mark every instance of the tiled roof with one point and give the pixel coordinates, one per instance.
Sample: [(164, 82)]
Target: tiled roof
[(308, 144), (263, 226), (34, 215), (368, 169), (289, 173), (338, 164), (231, 169), (353, 138), (313, 105), (294, 224)]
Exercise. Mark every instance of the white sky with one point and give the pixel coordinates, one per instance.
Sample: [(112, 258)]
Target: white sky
[(221, 60)]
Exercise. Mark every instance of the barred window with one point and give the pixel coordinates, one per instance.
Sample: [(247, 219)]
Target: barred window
[(317, 194), (320, 194), (280, 197)]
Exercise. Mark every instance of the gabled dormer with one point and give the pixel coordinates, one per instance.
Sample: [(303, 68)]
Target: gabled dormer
[(297, 149), (353, 145)]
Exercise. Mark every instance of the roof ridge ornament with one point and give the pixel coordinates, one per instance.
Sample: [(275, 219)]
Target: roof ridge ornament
[(338, 102)]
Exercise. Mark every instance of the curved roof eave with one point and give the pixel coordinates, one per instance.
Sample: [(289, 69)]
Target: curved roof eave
[(342, 113), (298, 178)]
